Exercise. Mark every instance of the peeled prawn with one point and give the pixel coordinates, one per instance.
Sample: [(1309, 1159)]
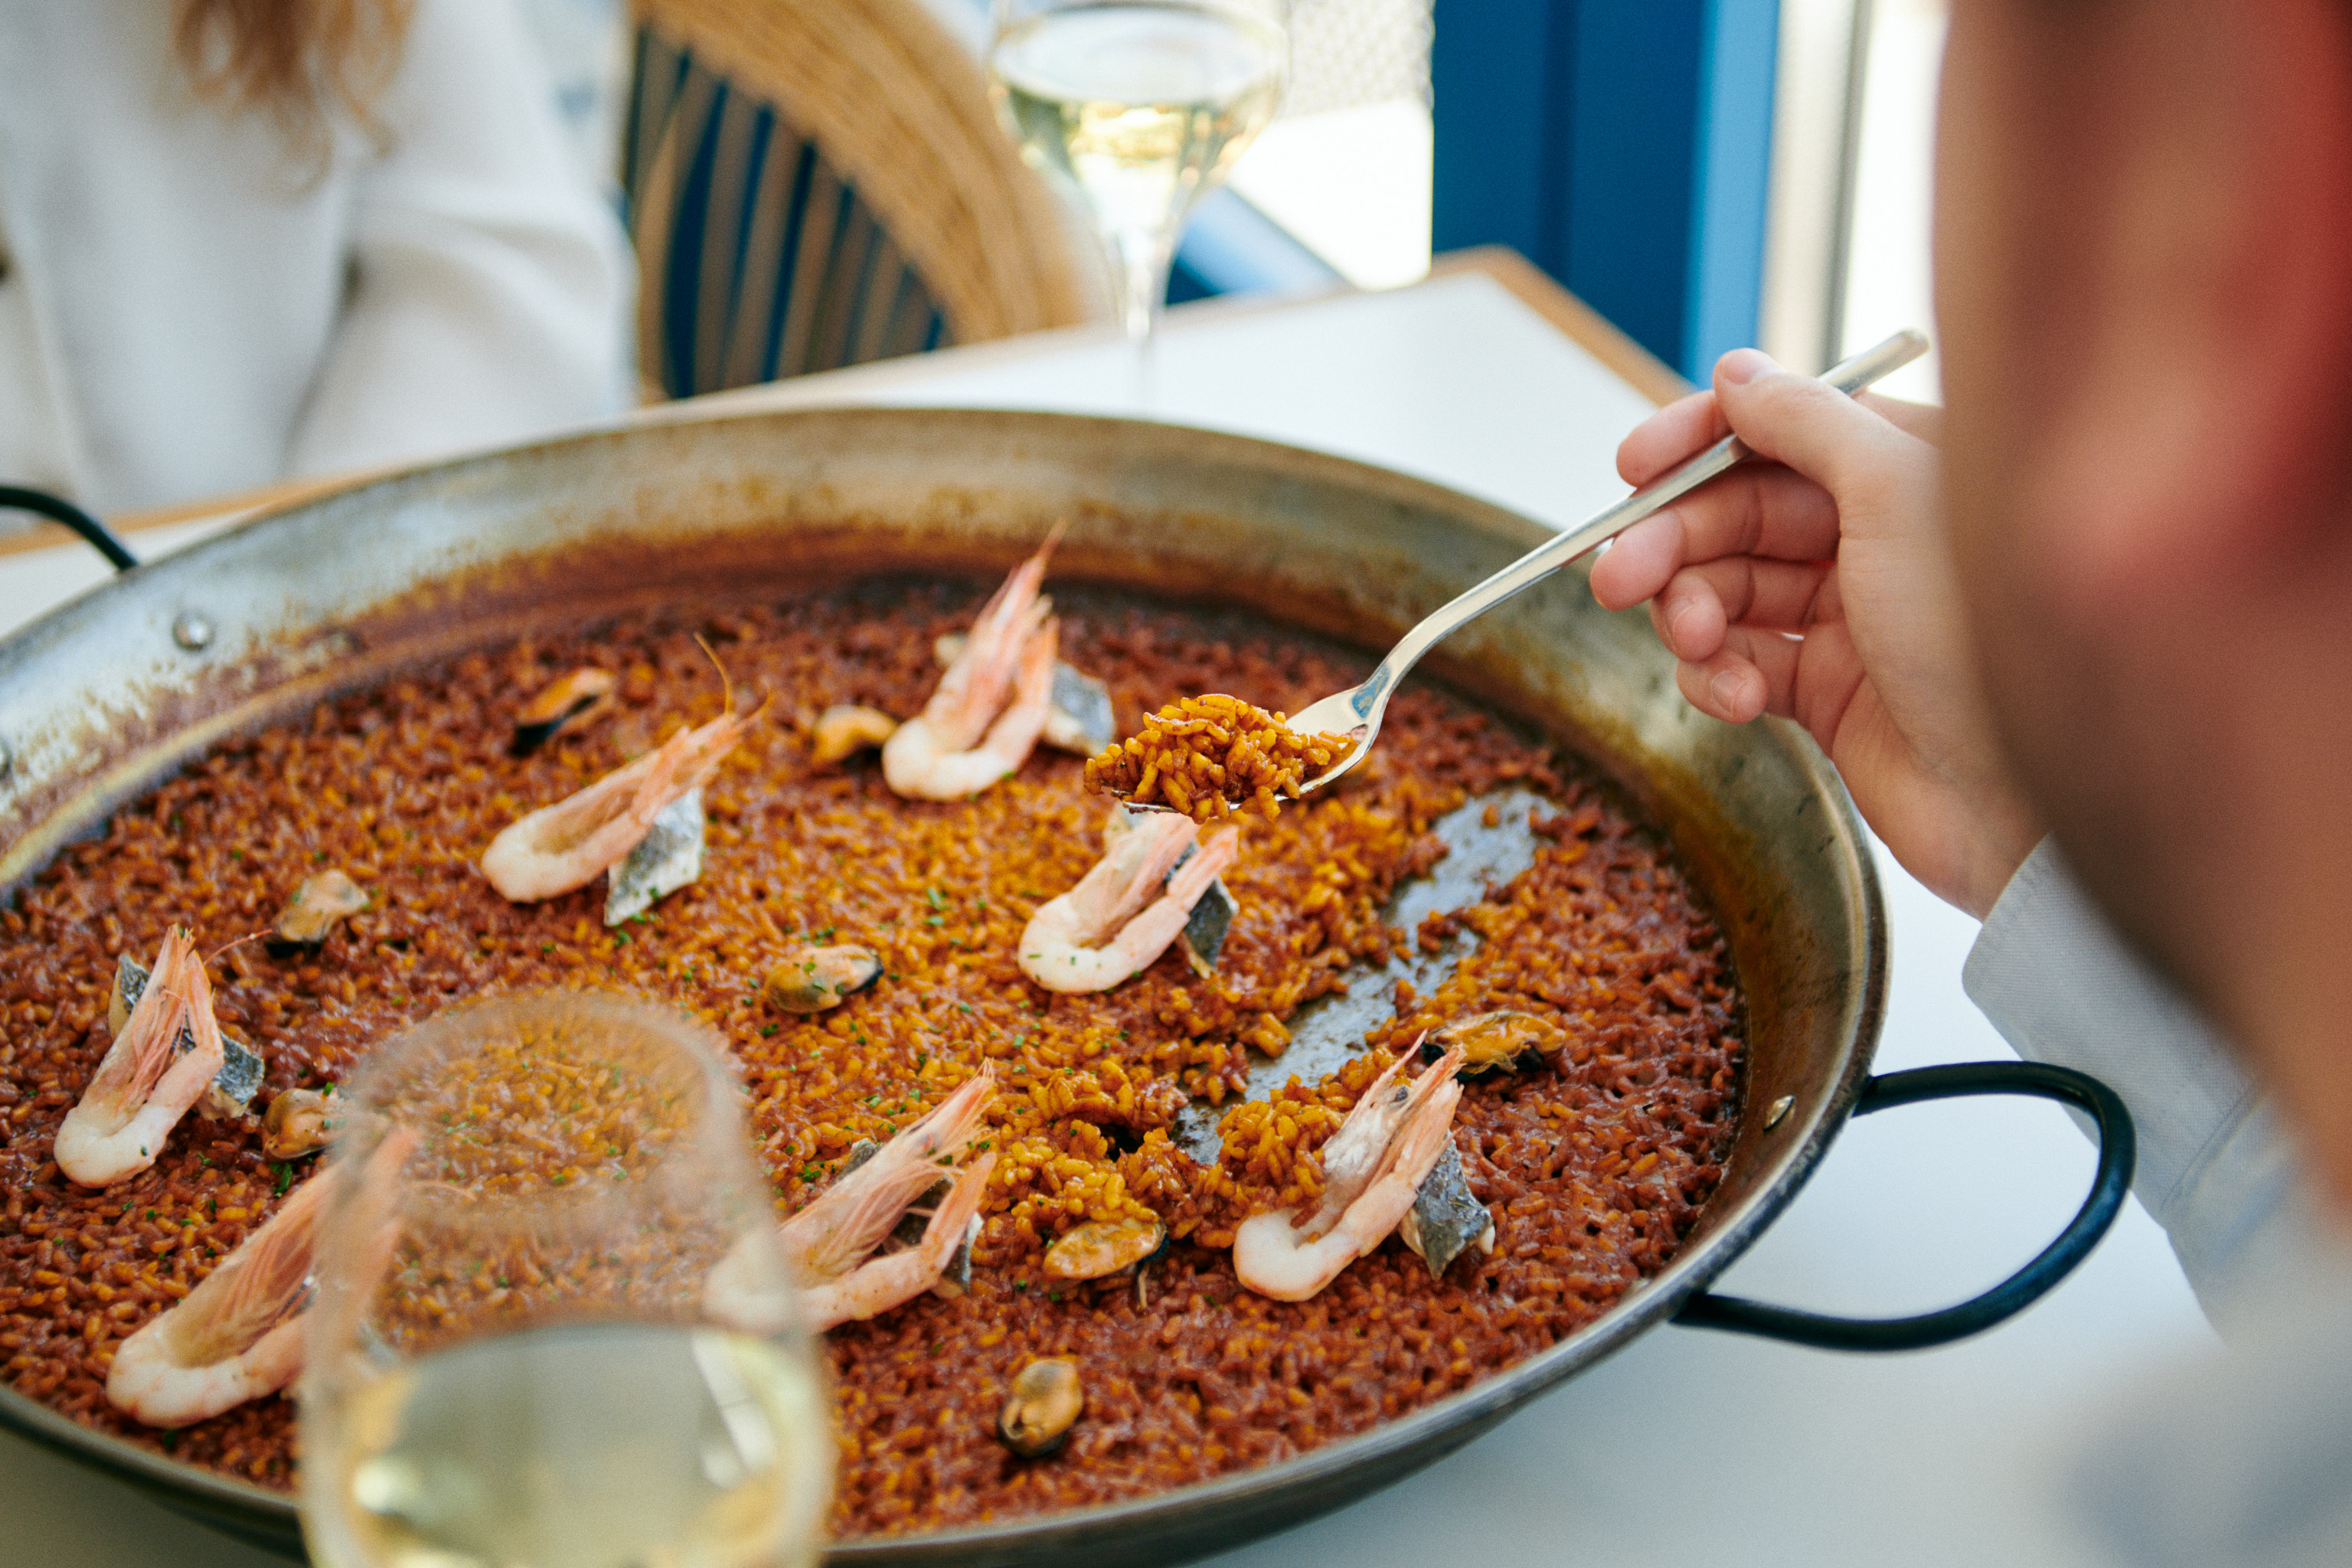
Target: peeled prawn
[(146, 1082), (972, 734), (1118, 919), (828, 1242), (1372, 1169), (561, 846)]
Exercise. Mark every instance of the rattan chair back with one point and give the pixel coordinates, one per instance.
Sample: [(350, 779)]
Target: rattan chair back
[(815, 184)]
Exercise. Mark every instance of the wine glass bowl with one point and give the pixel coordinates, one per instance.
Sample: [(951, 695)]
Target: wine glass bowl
[(517, 1355), (1139, 108)]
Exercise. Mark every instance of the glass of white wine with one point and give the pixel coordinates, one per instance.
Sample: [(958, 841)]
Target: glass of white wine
[(553, 1328), (1139, 107)]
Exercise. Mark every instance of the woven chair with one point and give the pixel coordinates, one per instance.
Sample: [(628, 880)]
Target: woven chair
[(815, 184)]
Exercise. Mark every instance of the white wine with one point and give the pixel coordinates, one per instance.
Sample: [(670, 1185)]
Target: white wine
[(1143, 107), (617, 1445)]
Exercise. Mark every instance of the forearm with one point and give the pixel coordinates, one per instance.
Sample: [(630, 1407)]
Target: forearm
[(2214, 1168)]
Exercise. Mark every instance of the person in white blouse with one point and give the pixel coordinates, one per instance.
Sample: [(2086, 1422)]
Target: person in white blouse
[(2081, 646), (239, 243)]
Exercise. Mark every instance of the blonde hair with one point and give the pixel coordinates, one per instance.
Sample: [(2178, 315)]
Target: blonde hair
[(303, 63)]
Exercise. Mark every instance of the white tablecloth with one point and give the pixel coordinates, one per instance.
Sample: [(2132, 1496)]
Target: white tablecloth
[(1688, 1446)]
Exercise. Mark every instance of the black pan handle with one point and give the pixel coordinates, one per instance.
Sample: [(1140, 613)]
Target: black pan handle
[(57, 508), (2013, 1295)]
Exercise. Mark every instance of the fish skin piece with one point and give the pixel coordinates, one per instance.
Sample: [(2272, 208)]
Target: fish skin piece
[(1083, 720), (233, 1087), (666, 859), (909, 1231), (237, 1081), (1203, 936), (130, 984), (1445, 1220), (955, 1278)]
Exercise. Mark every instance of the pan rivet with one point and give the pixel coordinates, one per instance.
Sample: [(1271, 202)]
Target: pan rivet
[(1779, 1111), (192, 631)]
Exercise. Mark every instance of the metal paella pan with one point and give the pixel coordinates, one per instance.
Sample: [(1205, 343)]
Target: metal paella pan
[(109, 694)]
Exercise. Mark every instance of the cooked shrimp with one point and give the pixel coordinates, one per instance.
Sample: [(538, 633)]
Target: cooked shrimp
[(969, 734), (561, 846), (146, 1082), (1372, 1167), (850, 1218), (238, 1335), (881, 1283), (1119, 905), (829, 1242)]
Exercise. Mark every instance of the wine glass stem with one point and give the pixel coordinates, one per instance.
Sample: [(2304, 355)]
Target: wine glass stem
[(1140, 260)]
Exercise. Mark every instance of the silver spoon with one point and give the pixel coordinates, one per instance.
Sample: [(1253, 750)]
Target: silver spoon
[(1357, 712)]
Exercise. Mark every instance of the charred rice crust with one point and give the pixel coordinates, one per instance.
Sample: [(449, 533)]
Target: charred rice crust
[(1595, 1169)]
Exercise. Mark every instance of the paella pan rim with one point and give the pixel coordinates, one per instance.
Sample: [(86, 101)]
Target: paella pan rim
[(1226, 1510)]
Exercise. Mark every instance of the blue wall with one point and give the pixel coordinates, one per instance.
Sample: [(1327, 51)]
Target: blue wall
[(1624, 146)]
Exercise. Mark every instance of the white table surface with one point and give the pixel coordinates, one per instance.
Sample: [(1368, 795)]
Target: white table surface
[(1687, 1445)]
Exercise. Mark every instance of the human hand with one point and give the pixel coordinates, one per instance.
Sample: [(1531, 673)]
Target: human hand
[(1815, 586)]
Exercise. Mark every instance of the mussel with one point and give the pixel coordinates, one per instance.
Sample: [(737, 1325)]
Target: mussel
[(312, 912), (297, 1123), (812, 979), (1104, 1247), (567, 702), (1046, 1402), (844, 730), (1490, 1040)]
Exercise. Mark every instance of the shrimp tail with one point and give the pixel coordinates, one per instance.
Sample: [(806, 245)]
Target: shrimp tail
[(878, 1285), (969, 735), (1193, 879), (851, 1217), (946, 1126), (136, 1060), (243, 1299), (1015, 731)]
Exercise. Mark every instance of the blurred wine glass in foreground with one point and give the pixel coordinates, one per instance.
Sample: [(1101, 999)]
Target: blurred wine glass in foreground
[(553, 1329), (1141, 107)]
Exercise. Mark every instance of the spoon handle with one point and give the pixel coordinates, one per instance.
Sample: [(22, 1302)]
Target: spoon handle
[(1557, 552)]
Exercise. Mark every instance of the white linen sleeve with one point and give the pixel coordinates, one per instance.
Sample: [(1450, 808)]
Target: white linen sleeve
[(2215, 1168), (490, 288)]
